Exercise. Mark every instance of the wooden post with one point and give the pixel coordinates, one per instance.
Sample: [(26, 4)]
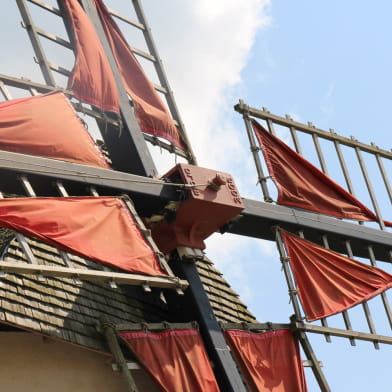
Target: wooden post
[(108, 329)]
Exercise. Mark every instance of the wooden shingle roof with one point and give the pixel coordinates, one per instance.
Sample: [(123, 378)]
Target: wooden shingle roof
[(61, 308)]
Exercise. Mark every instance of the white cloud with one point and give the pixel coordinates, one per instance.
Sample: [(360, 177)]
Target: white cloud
[(205, 46), (240, 259), (204, 49)]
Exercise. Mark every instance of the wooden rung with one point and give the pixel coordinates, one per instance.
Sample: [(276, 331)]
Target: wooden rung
[(93, 275)]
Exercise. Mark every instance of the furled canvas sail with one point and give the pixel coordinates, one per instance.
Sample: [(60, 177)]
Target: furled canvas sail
[(176, 359), (152, 115), (92, 80), (302, 185), (98, 228), (47, 126), (328, 282), (270, 361)]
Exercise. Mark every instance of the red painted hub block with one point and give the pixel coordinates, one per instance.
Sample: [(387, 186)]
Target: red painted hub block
[(210, 204)]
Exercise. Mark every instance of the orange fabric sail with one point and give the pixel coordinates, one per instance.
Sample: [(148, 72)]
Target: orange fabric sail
[(92, 80), (328, 282), (47, 126), (99, 228), (269, 362), (151, 113), (302, 185), (176, 359)]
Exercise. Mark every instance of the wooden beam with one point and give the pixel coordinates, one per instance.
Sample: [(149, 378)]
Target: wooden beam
[(288, 122), (93, 275), (343, 333), (153, 326)]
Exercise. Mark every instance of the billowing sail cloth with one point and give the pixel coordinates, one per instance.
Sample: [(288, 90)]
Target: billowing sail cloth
[(151, 113), (176, 359), (302, 185), (92, 80), (99, 228), (328, 282), (270, 361), (47, 126)]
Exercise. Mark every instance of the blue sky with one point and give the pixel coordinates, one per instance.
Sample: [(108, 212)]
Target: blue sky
[(325, 62)]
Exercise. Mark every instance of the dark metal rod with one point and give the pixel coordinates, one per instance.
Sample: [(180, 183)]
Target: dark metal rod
[(127, 20), (4, 91), (108, 330), (54, 38), (255, 152), (324, 321), (225, 368), (365, 305), (345, 315), (294, 136), (344, 167), (308, 350), (370, 188), (38, 49), (286, 269), (163, 78), (46, 7), (383, 294), (266, 115), (64, 255), (343, 333), (270, 126), (19, 236), (320, 154), (384, 176)]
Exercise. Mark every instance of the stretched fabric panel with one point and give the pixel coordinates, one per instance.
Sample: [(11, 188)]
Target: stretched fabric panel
[(47, 126), (99, 228), (269, 362), (302, 185), (151, 113), (328, 282), (176, 359), (92, 80)]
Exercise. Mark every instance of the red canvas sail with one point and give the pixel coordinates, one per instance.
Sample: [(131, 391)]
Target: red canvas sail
[(92, 80), (152, 115), (176, 359), (328, 282), (98, 228), (302, 185), (47, 126), (270, 361)]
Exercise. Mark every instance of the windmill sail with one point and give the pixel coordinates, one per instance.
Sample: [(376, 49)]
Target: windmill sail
[(98, 228), (302, 185), (328, 282), (47, 126), (92, 79), (151, 113)]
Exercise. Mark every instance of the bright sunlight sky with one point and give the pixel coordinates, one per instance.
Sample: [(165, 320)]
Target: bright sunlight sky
[(327, 62)]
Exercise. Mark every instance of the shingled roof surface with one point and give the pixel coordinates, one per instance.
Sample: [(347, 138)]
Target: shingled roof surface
[(60, 308), (225, 302)]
